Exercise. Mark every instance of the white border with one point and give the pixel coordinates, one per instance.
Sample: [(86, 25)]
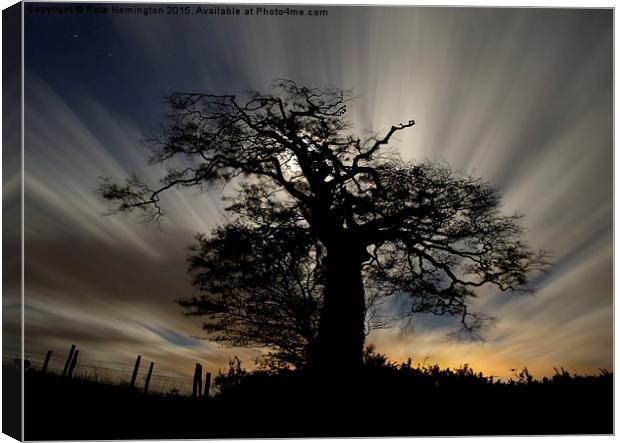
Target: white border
[(443, 3)]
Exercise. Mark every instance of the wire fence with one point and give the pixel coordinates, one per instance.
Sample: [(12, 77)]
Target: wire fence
[(162, 381)]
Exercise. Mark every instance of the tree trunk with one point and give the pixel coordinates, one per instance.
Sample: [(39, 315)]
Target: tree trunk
[(341, 328)]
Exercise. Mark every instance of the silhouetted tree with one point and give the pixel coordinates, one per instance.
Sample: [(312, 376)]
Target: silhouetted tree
[(261, 280), (420, 229)]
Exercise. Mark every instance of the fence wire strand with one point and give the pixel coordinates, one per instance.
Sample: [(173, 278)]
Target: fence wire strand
[(163, 380)]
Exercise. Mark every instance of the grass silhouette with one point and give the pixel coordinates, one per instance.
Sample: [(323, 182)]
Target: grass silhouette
[(384, 399)]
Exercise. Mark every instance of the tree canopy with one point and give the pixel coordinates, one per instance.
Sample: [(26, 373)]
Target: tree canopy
[(315, 197), (261, 285)]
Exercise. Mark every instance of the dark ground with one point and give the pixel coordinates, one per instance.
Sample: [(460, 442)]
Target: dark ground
[(383, 401)]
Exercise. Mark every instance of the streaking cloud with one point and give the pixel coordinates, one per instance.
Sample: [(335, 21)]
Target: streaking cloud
[(519, 97)]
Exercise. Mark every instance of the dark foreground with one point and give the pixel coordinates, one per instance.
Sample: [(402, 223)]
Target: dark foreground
[(393, 401)]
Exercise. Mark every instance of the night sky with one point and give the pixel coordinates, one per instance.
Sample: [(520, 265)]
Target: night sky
[(521, 98)]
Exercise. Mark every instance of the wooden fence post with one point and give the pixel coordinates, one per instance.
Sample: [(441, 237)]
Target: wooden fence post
[(135, 372), (207, 384), (197, 387), (73, 363), (148, 378), (46, 362), (69, 359)]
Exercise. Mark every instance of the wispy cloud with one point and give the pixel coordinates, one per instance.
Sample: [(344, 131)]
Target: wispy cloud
[(522, 98)]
